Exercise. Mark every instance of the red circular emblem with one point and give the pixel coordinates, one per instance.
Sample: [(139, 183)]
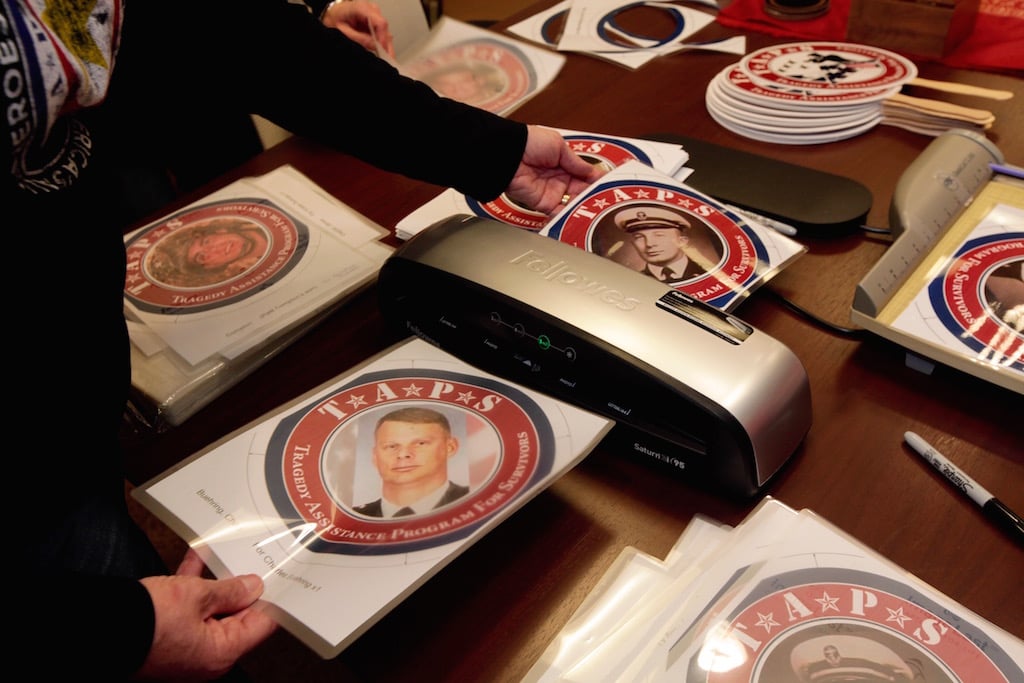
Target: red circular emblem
[(210, 255), (320, 462), (485, 73), (726, 253)]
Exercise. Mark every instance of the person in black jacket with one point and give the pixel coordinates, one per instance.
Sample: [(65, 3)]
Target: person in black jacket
[(110, 109)]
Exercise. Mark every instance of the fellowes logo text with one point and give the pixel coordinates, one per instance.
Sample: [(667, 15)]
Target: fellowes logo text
[(563, 273)]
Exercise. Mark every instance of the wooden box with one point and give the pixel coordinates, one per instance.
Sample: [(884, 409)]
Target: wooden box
[(922, 28)]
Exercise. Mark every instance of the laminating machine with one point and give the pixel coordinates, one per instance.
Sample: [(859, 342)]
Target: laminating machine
[(700, 390)]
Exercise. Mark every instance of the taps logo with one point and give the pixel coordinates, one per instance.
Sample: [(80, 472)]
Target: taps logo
[(209, 256), (665, 231), (325, 469), (562, 272), (831, 625), (979, 300)]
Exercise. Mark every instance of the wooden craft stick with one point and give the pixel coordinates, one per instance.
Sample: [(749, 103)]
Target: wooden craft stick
[(939, 108), (961, 88)]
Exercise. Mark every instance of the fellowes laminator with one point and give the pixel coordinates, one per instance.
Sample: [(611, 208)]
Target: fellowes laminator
[(687, 384)]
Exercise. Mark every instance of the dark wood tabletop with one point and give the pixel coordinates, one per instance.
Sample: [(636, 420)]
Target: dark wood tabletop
[(490, 614)]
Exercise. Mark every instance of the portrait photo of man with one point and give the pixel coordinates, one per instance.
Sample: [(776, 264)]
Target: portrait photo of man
[(847, 658), (666, 242), (411, 450), (469, 81), (208, 253)]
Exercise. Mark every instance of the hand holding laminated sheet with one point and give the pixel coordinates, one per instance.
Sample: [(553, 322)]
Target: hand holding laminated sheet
[(605, 151), (303, 496)]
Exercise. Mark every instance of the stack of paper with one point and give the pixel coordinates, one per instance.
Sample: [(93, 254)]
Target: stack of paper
[(215, 289), (297, 496), (785, 596)]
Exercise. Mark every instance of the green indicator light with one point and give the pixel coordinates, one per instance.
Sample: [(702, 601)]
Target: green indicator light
[(543, 342)]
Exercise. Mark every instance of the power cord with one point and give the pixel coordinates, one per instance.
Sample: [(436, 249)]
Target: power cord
[(876, 231), (840, 330), (849, 332)]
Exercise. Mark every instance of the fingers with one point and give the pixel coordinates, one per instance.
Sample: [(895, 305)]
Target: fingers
[(382, 35), (356, 36), (203, 626), (244, 626), (363, 23), (191, 564), (228, 596)]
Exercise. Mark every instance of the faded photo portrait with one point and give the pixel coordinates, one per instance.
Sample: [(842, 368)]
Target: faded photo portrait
[(665, 243), (846, 653), (469, 81), (207, 253), (409, 459)]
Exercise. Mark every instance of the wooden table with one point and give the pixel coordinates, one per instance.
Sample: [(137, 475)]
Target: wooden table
[(489, 615)]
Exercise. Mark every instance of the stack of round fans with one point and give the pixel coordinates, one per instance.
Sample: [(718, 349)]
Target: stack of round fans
[(807, 93)]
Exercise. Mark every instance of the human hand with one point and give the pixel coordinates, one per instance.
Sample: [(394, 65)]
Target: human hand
[(203, 626), (362, 22), (549, 171)]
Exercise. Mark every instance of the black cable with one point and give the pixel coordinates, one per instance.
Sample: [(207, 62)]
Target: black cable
[(876, 231), (850, 332)]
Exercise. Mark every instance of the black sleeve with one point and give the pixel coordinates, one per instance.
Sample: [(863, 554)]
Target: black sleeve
[(96, 627), (274, 58), (316, 7)]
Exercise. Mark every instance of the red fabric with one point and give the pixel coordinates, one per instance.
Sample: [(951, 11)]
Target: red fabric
[(996, 43), (750, 15)]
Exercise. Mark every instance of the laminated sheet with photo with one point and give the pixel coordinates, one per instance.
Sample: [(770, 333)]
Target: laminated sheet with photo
[(284, 496), (730, 255)]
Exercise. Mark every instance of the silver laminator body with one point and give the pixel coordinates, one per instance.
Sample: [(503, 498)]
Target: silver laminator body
[(688, 385)]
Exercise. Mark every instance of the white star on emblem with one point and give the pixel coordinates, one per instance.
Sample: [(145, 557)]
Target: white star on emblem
[(767, 621), (642, 194), (412, 390), (898, 616), (827, 602), (356, 401), (465, 397), (600, 203)]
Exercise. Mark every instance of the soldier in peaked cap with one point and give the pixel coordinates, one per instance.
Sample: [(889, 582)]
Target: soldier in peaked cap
[(836, 659), (661, 237)]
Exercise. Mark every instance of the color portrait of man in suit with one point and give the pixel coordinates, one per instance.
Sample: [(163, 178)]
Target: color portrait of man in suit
[(411, 450)]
